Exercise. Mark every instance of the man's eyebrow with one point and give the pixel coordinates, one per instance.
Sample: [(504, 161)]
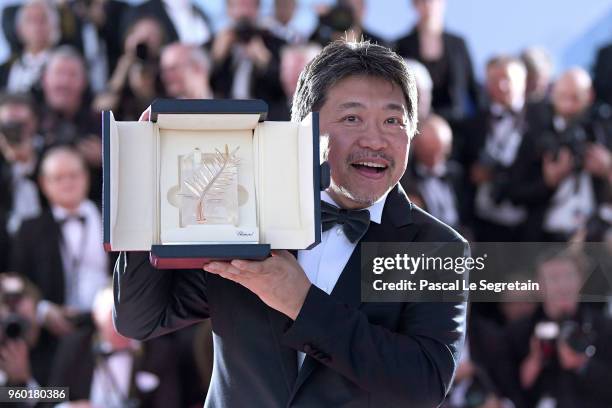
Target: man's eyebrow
[(395, 107), (350, 105)]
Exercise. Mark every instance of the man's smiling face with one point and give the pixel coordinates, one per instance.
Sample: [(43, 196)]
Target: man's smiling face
[(366, 122)]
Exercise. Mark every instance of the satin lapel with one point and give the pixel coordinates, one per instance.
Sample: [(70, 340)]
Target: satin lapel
[(396, 214)]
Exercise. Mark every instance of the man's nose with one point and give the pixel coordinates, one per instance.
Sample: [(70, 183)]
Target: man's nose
[(372, 137)]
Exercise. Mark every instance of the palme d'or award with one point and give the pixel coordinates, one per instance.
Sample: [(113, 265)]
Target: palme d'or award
[(209, 186), (210, 179)]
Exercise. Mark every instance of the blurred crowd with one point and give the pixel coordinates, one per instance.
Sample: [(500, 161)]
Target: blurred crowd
[(524, 156)]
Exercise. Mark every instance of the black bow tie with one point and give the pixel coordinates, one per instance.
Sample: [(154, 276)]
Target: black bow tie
[(79, 218), (354, 222)]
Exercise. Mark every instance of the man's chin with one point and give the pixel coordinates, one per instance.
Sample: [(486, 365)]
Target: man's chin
[(355, 198)]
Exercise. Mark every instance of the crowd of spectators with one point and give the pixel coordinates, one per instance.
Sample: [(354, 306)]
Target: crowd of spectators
[(524, 156)]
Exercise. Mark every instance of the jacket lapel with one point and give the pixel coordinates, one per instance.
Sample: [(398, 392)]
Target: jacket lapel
[(396, 214)]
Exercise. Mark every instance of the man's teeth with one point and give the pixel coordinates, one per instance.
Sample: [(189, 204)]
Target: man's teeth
[(370, 164)]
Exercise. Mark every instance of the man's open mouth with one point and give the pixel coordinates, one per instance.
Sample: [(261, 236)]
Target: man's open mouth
[(368, 167)]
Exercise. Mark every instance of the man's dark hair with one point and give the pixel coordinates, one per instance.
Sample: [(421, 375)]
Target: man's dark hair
[(342, 59), (18, 99)]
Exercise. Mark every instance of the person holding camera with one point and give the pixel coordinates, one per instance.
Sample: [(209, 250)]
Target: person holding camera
[(563, 173), (135, 81), (19, 197), (104, 369), (562, 354), (246, 57), (26, 351), (487, 146)]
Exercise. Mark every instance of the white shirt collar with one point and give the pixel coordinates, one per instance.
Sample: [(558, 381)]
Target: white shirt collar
[(375, 209), (60, 213)]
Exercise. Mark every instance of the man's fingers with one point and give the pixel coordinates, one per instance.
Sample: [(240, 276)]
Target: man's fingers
[(146, 115), (283, 253), (221, 267), (247, 266)]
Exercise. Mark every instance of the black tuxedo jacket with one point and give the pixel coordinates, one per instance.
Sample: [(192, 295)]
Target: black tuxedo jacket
[(265, 83), (461, 80), (36, 254), (601, 79), (75, 362), (357, 354)]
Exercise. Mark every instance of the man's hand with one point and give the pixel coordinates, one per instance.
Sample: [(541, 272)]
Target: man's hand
[(91, 149), (569, 359), (56, 320), (598, 161), (257, 52), (480, 174), (555, 171), (532, 365), (222, 44), (15, 361), (279, 281)]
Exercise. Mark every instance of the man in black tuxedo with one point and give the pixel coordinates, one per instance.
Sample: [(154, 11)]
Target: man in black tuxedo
[(107, 370), (487, 146), (59, 250), (293, 332), (431, 179)]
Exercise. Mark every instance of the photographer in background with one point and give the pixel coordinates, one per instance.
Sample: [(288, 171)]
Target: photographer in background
[(246, 57), (488, 145), (345, 18), (135, 82), (562, 354), (26, 352), (563, 173), (104, 369), (37, 27), (19, 197)]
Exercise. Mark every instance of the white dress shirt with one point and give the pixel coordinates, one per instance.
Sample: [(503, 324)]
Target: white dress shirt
[(111, 380), (25, 196), (84, 259), (26, 71), (502, 146), (324, 263)]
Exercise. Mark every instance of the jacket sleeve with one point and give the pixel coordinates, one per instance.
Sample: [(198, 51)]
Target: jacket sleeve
[(412, 365), (150, 302)]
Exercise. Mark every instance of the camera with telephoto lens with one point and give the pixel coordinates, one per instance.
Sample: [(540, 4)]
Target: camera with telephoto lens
[(12, 132), (579, 336), (575, 138), (338, 19), (12, 325), (246, 30)]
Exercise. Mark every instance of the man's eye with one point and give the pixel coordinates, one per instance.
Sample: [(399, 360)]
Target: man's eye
[(393, 121), (350, 118)]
